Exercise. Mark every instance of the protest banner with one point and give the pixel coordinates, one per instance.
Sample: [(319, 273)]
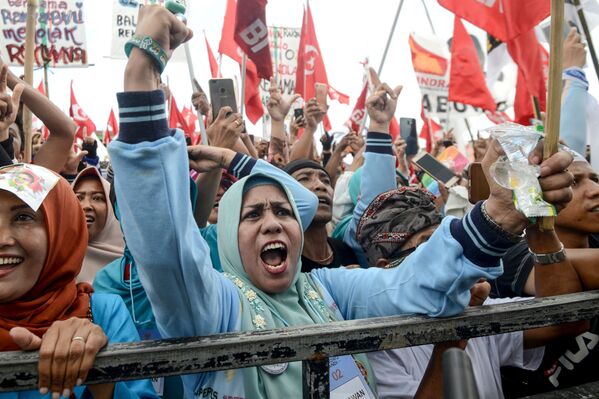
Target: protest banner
[(124, 22), (431, 61), (284, 44), (59, 37)]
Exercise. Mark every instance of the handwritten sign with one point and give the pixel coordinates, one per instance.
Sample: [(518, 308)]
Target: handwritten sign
[(59, 37), (284, 44)]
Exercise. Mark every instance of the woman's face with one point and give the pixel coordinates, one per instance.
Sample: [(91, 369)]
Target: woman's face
[(23, 247), (269, 239), (91, 196)]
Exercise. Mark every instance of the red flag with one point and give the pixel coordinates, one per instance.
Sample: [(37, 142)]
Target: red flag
[(504, 19), (190, 118), (466, 80), (310, 64), (429, 131), (251, 34), (41, 88), (112, 128), (394, 128), (253, 103), (529, 55), (177, 121), (80, 117), (212, 60), (359, 112)]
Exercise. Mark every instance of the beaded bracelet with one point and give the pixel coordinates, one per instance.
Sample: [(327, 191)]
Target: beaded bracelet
[(504, 233), (150, 47)]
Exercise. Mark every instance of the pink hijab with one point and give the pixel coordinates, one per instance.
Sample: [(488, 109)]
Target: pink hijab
[(108, 245)]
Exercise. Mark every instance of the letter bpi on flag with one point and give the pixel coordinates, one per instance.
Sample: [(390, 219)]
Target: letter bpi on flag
[(251, 34)]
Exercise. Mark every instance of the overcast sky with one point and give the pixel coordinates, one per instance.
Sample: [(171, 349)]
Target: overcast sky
[(348, 31)]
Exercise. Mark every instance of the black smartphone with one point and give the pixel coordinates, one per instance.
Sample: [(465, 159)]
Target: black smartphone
[(407, 127), (298, 113), (222, 94), (435, 169)]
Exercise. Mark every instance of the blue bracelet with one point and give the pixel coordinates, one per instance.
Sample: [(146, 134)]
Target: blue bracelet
[(150, 47)]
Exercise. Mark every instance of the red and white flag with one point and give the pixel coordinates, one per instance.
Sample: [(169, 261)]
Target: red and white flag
[(504, 19), (310, 64), (466, 79), (176, 119), (253, 103), (190, 119), (251, 34), (80, 117), (359, 113), (112, 128), (431, 131), (212, 60)]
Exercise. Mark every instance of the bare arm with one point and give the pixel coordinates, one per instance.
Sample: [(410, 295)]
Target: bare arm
[(207, 184), (55, 150), (302, 149), (554, 279)]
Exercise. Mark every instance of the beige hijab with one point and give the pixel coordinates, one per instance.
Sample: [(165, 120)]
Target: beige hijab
[(108, 245)]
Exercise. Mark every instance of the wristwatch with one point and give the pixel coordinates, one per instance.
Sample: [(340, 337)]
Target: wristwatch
[(551, 258)]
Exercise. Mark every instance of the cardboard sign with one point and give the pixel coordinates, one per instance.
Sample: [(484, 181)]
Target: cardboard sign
[(59, 37)]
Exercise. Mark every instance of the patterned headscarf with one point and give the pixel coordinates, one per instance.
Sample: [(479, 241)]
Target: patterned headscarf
[(392, 218)]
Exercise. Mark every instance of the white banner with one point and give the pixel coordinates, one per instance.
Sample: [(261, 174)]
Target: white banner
[(431, 60), (124, 22), (59, 38)]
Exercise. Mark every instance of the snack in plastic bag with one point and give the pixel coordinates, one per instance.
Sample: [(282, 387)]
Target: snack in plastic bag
[(514, 172)]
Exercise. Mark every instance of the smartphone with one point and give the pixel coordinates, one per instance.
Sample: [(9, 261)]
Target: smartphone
[(322, 91), (407, 127), (298, 113), (479, 186), (222, 94), (435, 169)]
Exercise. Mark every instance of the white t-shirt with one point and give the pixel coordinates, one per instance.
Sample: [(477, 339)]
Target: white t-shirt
[(398, 372)]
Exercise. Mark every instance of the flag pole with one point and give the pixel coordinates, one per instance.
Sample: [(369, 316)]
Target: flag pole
[(390, 37), (242, 94), (587, 34), (192, 77), (304, 66), (555, 91), (428, 16), (29, 60), (46, 83)]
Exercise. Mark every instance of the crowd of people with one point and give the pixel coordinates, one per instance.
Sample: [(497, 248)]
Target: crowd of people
[(170, 240)]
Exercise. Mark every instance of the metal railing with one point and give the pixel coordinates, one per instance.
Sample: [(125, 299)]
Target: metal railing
[(312, 344)]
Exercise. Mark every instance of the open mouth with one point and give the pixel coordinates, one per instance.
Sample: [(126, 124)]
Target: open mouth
[(324, 200), (8, 264), (89, 219), (274, 257), (595, 209)]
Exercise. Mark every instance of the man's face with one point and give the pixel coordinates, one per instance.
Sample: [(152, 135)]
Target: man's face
[(318, 182), (582, 213)]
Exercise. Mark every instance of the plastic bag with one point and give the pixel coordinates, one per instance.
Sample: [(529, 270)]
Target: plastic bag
[(514, 172)]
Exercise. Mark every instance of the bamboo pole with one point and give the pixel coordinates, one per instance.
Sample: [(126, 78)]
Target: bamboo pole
[(29, 60), (555, 91)]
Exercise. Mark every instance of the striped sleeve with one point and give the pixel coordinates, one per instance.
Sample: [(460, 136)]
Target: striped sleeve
[(142, 116), (379, 143), (241, 165), (482, 244)]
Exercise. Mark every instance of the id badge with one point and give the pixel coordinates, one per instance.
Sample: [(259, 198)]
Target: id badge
[(346, 379)]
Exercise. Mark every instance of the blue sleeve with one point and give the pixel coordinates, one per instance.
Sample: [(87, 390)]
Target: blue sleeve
[(573, 123), (435, 280), (305, 200), (188, 296), (110, 313), (378, 176)]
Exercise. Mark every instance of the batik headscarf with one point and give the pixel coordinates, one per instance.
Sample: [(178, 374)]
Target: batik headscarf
[(392, 218), (300, 304), (55, 295)]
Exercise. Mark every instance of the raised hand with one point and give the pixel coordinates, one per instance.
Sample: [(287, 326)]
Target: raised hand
[(556, 183), (575, 53), (277, 106), (9, 105), (73, 161), (225, 131), (67, 353), (199, 99), (313, 114), (381, 104), (203, 158)]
